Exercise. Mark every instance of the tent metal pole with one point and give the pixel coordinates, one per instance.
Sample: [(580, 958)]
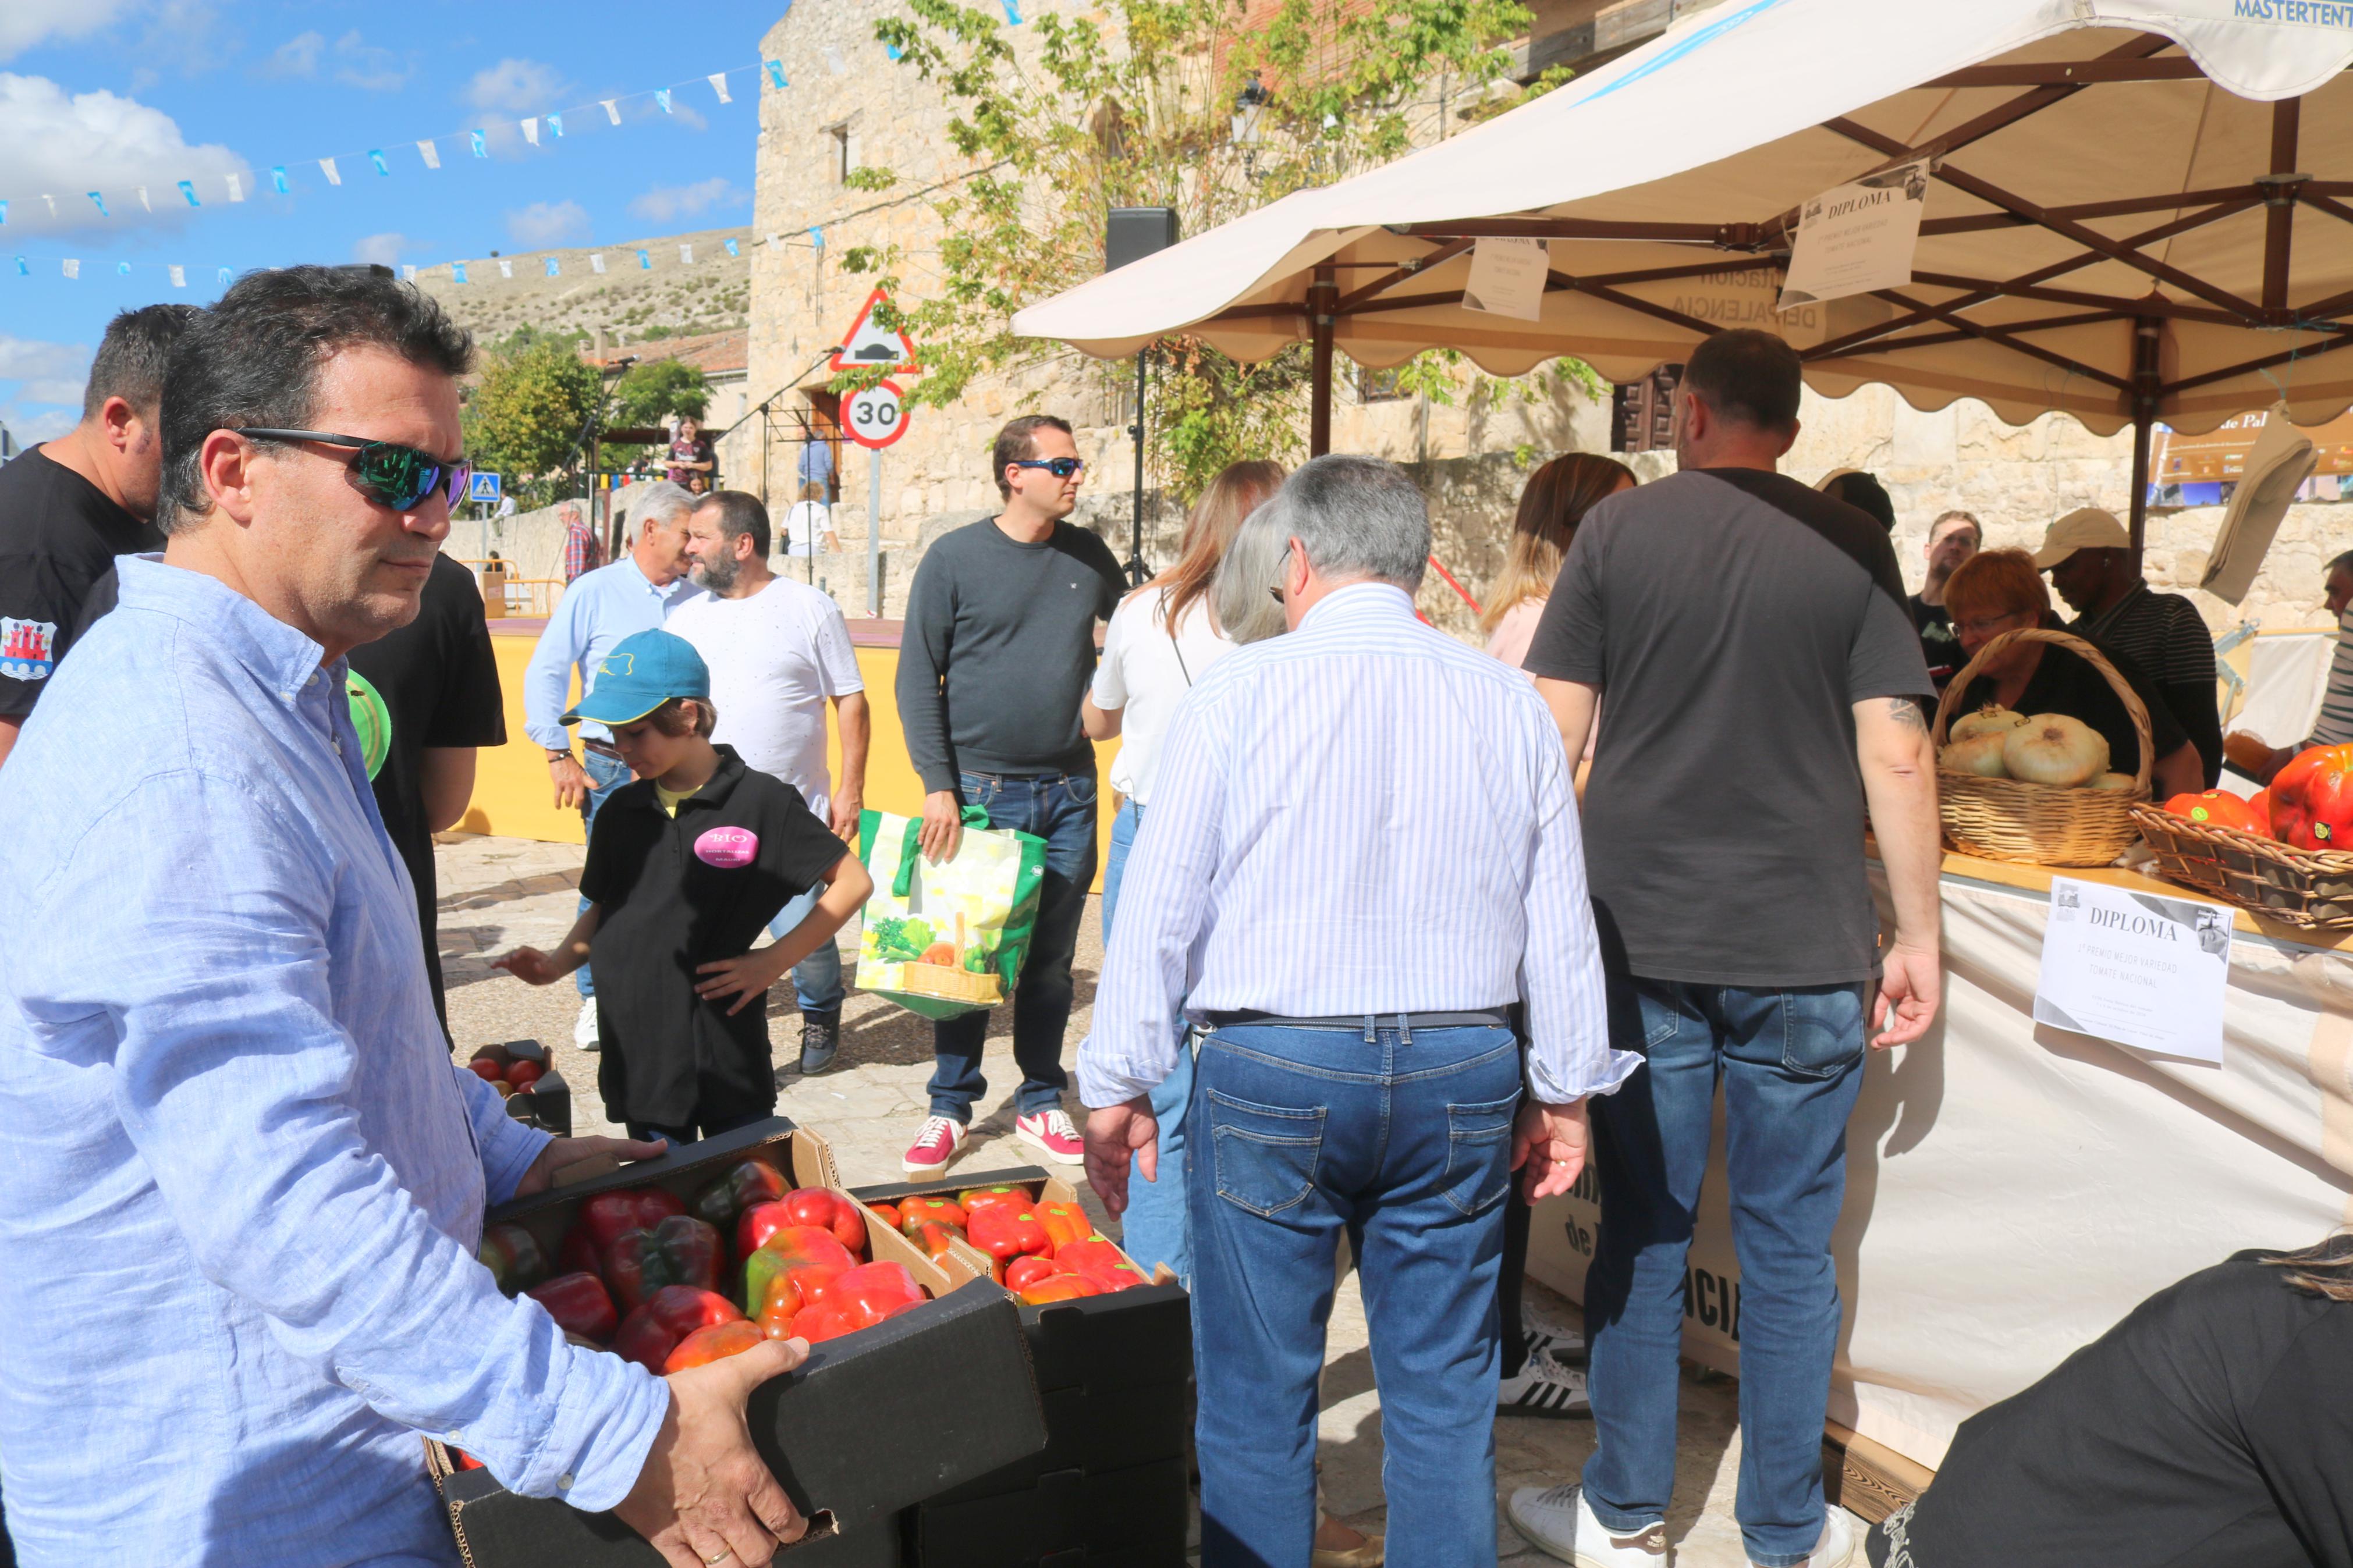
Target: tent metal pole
[(2145, 384), (1323, 295)]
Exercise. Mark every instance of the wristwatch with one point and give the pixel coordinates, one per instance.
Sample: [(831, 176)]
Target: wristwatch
[(563, 756)]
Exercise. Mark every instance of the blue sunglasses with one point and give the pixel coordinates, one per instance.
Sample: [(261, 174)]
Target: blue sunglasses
[(385, 471)]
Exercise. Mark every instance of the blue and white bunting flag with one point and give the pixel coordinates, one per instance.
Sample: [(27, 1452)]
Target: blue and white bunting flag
[(1012, 14), (718, 80), (816, 237), (662, 96), (189, 189), (99, 198), (686, 255), (833, 60), (555, 123), (732, 249), (644, 262), (375, 156), (146, 205), (775, 74), (123, 269), (506, 266), (24, 269), (459, 269), (407, 273), (552, 269), (531, 131), (224, 275), (278, 180), (430, 153), (612, 109), (179, 276), (327, 167), (52, 201), (596, 262), (236, 188), (72, 265), (4, 212), (481, 147)]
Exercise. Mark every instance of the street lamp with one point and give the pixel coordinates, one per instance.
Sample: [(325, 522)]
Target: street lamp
[(1250, 110)]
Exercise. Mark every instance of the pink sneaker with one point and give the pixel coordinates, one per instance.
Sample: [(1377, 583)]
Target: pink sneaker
[(1050, 1134), (933, 1147)]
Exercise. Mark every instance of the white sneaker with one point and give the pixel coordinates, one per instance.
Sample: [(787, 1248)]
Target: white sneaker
[(1547, 1336), (1836, 1547), (584, 1029), (1556, 1521), (1050, 1134), (1544, 1387)]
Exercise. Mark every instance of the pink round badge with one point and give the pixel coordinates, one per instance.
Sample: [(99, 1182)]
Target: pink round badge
[(727, 847)]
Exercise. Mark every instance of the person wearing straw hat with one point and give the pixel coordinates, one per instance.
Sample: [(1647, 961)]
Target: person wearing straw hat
[(2089, 557)]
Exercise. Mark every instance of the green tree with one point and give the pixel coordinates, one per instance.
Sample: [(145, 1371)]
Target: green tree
[(527, 415), (1136, 108)]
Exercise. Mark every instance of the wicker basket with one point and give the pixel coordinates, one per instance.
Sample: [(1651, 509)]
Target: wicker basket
[(950, 984), (2310, 888), (2041, 825)]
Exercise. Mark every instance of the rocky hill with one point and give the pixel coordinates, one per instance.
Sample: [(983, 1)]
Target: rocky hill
[(629, 302)]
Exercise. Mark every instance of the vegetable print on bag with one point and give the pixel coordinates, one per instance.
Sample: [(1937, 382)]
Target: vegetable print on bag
[(946, 939)]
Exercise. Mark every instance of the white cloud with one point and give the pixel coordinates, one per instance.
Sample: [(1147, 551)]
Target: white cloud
[(384, 249), (297, 57), (25, 23), (665, 203), (40, 386), (97, 140), (548, 223), (517, 87)]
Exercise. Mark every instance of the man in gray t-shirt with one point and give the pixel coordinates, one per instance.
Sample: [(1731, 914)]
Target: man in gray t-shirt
[(1761, 671)]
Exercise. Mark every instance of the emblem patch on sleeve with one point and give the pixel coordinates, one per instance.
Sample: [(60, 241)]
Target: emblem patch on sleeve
[(27, 648)]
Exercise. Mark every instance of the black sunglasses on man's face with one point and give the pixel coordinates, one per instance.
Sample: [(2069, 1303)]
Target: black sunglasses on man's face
[(387, 473), (1060, 468)]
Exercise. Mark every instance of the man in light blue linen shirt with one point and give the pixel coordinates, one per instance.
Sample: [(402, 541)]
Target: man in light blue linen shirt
[(635, 593), (243, 1182), (1361, 862)]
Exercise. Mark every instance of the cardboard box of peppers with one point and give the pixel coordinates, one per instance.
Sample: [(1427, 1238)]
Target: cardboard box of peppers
[(1043, 1250)]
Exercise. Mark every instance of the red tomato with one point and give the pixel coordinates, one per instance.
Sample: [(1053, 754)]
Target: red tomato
[(2218, 808), (485, 1069), (716, 1342), (2312, 799), (523, 1075)]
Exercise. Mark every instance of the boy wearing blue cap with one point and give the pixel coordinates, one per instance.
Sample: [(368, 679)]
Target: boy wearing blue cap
[(687, 865)]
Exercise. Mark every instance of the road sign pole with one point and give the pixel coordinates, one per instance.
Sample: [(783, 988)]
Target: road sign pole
[(874, 534)]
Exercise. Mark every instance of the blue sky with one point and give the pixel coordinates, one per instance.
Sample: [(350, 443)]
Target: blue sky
[(109, 95)]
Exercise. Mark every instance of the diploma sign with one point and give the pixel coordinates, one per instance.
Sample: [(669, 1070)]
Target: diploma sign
[(2142, 970)]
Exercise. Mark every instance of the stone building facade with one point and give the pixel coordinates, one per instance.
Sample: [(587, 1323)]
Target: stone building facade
[(850, 107)]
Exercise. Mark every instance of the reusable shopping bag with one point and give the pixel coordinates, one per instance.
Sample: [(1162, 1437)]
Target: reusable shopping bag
[(946, 939)]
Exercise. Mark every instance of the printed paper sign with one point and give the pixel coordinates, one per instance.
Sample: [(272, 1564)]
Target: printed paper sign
[(2135, 968), (1507, 278), (1859, 236)]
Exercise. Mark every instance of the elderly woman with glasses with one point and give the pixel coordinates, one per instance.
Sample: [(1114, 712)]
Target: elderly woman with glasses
[(2000, 591)]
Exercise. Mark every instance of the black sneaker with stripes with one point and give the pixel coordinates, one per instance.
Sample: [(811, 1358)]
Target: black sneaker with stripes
[(1546, 1388)]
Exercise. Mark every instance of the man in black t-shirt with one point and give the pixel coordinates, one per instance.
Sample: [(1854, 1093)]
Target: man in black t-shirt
[(68, 507), (439, 685), (1952, 539), (1751, 712)]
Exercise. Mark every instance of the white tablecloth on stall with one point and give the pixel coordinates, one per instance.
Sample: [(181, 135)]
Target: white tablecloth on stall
[(2013, 1189)]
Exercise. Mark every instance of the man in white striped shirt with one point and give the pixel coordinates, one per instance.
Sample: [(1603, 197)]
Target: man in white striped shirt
[(2334, 725), (1362, 856)]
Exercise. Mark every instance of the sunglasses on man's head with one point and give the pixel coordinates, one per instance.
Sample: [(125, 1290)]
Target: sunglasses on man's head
[(389, 473), (1060, 468)]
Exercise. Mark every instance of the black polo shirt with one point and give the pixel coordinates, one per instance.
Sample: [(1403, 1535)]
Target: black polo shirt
[(58, 535), (678, 892)]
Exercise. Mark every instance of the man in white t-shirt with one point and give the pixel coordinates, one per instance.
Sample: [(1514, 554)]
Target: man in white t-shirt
[(779, 651)]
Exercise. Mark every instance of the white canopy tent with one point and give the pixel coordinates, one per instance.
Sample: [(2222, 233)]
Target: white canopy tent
[(2142, 211)]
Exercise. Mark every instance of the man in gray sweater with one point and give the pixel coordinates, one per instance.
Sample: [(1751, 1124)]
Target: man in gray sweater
[(998, 648)]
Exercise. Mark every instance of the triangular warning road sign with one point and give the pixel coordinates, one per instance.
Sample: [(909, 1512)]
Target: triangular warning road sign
[(869, 344)]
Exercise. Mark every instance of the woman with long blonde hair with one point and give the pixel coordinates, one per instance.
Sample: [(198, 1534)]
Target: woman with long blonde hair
[(1160, 640), (1554, 501)]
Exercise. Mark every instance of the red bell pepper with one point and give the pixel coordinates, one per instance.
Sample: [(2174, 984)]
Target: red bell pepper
[(787, 1251), (579, 1304), (934, 1238), (822, 1207), (2312, 800), (1024, 1272), (913, 1212), (1059, 1288), (886, 1213), (789, 1294), (513, 1257), (976, 1199), (578, 1253), (608, 1214), (1101, 1262), (716, 1342), (817, 1324), (1005, 1231), (680, 1250), (1065, 1223), (650, 1332), (747, 1183), (873, 1292)]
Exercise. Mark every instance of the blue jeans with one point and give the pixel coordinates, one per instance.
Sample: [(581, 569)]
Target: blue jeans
[(1060, 809), (1157, 1230), (1404, 1138), (816, 979), (606, 774), (1791, 1064)]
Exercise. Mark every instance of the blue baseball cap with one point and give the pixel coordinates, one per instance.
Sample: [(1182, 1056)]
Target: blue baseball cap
[(644, 671)]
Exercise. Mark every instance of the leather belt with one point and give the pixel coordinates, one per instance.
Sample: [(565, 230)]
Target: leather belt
[(602, 748), (1491, 1018)]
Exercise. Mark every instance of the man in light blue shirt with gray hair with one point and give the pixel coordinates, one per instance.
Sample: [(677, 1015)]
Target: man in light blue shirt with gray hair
[(243, 1182)]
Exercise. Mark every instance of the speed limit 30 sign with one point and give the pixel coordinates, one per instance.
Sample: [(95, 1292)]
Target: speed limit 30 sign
[(874, 417)]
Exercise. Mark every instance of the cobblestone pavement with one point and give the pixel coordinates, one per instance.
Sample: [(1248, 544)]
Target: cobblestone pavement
[(497, 893)]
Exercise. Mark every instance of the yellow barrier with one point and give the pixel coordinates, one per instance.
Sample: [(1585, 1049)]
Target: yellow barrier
[(512, 796)]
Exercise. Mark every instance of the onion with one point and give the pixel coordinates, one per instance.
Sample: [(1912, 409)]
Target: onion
[(2055, 749), (1979, 755), (1991, 720), (2121, 783)]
